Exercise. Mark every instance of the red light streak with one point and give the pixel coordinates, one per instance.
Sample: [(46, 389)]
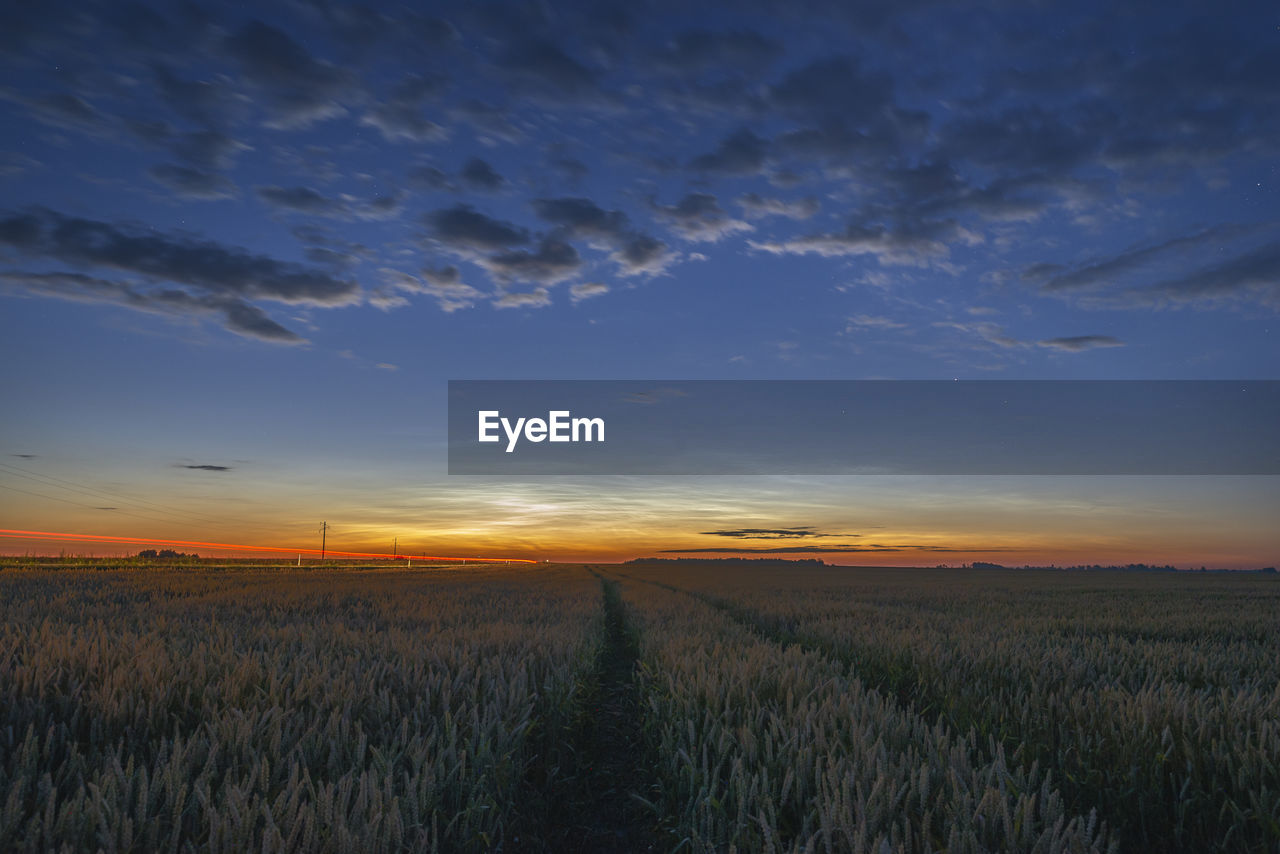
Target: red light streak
[(142, 541)]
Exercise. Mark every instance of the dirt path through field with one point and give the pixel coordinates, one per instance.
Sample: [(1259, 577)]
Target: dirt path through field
[(605, 816)]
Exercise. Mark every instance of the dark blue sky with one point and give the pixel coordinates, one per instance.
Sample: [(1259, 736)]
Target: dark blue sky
[(264, 237)]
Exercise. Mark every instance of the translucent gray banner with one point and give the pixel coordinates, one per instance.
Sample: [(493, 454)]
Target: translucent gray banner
[(994, 427)]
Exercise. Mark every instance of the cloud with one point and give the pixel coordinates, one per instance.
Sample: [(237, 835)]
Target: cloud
[(1252, 274), (699, 217), (833, 89), (833, 549), (583, 218), (205, 467), (301, 200), (797, 532), (304, 200), (444, 284), (430, 178), (991, 333), (488, 119), (1079, 343), (16, 163), (643, 255), (237, 315), (1109, 271), (462, 227), (209, 103), (207, 149), (300, 89), (540, 65), (913, 244), (741, 153), (401, 118), (193, 183), (479, 175), (181, 259), (871, 321), (539, 298), (755, 206), (62, 110), (695, 51), (1020, 139), (553, 261), (587, 290), (634, 253)]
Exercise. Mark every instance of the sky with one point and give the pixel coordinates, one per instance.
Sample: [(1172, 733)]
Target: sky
[(243, 249)]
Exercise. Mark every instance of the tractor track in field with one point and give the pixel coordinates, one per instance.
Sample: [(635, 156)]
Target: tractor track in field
[(601, 811)]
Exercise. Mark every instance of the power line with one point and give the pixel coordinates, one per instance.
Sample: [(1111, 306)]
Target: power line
[(149, 506), (82, 504)]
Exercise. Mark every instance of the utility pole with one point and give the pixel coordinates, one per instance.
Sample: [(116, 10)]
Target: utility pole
[(394, 550), (324, 531)]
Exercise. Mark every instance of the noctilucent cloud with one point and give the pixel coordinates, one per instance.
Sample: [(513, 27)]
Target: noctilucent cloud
[(243, 248)]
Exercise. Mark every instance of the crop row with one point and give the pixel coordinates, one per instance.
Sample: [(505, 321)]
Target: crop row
[(250, 711), (763, 747)]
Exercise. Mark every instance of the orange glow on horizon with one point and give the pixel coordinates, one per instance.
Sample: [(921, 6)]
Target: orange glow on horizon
[(143, 541)]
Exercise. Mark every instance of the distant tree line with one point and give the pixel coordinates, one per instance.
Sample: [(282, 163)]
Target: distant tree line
[(166, 554), (754, 561)]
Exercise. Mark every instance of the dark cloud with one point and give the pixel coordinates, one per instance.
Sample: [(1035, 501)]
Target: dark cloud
[(429, 178), (323, 246), (699, 217), (463, 227), (642, 255), (235, 314), (695, 51), (1254, 274), (553, 261), (634, 253), (209, 103), (581, 217), (571, 168), (487, 119), (62, 110), (299, 88), (835, 89), (205, 467), (206, 149), (479, 175), (833, 549), (301, 200), (304, 200), (773, 533), (192, 183), (1079, 343), (211, 267), (1020, 139), (741, 153), (541, 65), (402, 118), (24, 456), (15, 163), (1111, 271)]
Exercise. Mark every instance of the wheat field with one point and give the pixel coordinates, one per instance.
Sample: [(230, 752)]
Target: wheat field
[(749, 708)]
